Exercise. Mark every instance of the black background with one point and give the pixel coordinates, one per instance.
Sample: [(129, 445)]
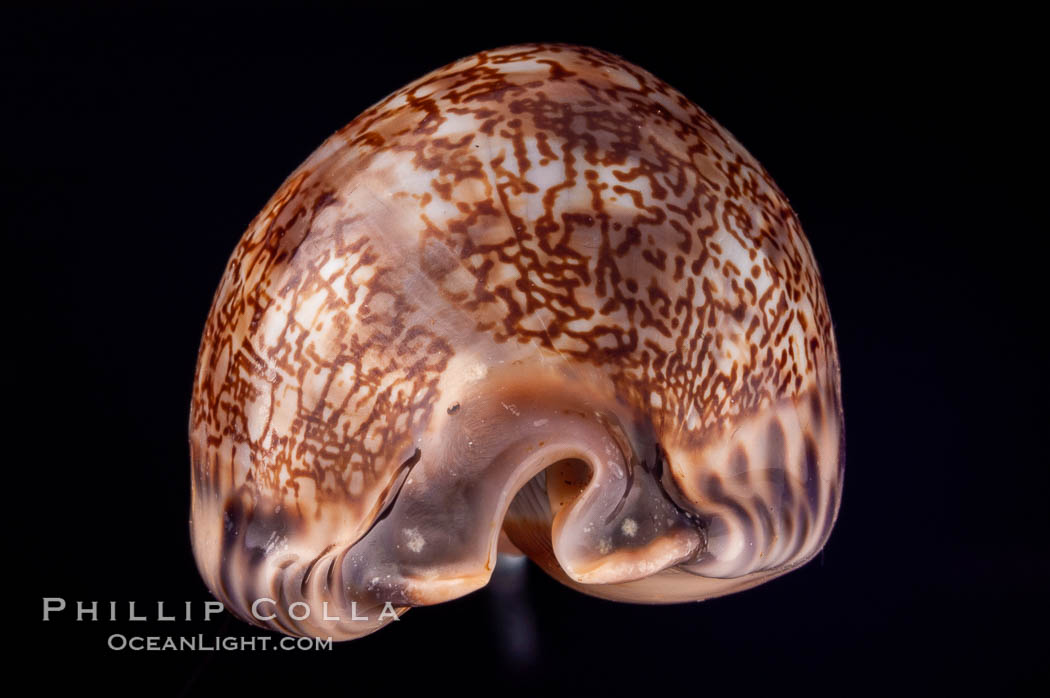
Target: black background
[(139, 144)]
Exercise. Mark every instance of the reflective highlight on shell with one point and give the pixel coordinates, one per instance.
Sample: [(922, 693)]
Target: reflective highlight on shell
[(536, 292)]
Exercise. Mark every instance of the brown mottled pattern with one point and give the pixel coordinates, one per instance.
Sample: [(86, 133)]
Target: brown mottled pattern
[(537, 203)]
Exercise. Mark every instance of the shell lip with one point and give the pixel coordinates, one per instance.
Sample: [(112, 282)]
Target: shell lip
[(630, 564)]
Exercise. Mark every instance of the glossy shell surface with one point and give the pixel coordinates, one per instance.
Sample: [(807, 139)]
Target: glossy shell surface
[(538, 292)]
